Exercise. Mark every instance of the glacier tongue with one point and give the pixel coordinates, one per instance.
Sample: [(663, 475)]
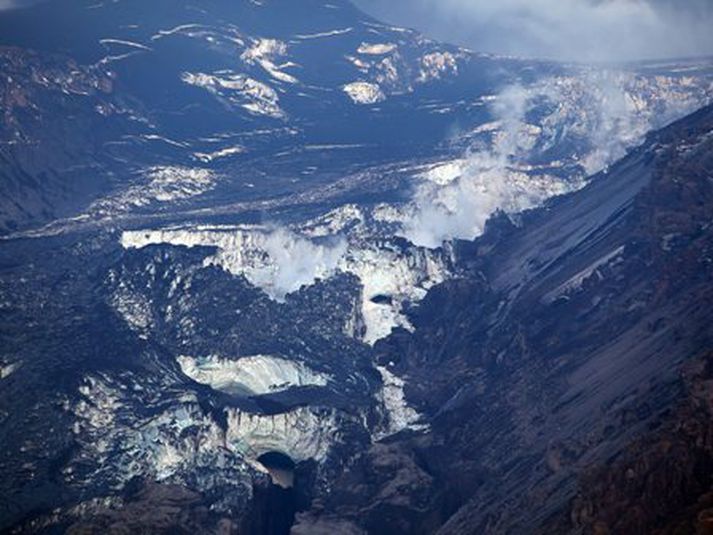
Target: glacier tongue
[(302, 434), (175, 438), (390, 277)]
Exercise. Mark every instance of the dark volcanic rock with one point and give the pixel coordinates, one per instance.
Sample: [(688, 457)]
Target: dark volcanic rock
[(663, 481)]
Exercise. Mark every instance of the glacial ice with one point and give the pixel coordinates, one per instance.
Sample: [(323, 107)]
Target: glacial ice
[(302, 434), (178, 438), (281, 262), (254, 375), (276, 260), (400, 415), (159, 184)]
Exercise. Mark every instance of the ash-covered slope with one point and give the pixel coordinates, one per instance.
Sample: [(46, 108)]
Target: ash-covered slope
[(582, 331)]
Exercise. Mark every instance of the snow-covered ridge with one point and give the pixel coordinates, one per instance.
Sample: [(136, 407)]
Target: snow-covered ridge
[(254, 375)]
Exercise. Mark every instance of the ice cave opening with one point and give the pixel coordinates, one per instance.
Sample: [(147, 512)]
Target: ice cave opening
[(280, 467)]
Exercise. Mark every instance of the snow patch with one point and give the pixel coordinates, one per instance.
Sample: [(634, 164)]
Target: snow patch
[(172, 183), (320, 35), (364, 93), (6, 370), (177, 29), (265, 52), (444, 173), (160, 184), (121, 42), (435, 65), (239, 90), (378, 49), (208, 157)]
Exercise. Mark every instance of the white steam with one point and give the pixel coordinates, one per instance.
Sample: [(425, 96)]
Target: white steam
[(277, 260), (486, 182), (588, 122), (295, 262)]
